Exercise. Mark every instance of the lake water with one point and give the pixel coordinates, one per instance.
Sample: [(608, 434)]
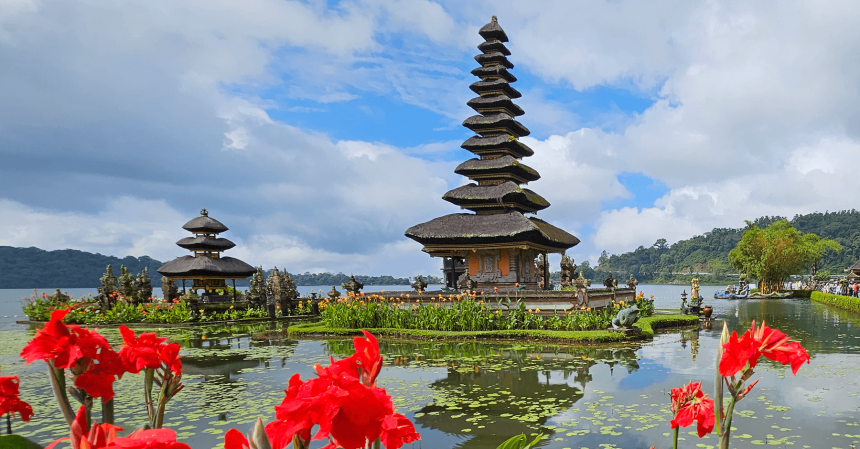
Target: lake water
[(476, 394)]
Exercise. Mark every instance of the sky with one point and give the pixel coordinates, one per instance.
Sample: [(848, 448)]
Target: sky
[(319, 131)]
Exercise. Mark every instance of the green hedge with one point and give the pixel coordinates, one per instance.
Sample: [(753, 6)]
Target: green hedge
[(648, 325), (801, 293), (839, 301)]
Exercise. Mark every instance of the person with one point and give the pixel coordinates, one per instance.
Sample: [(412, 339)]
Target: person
[(856, 288)]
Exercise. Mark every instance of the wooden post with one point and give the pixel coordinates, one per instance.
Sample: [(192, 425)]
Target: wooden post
[(183, 287), (234, 290)]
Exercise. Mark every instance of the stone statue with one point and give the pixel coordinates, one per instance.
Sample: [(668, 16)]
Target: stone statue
[(419, 285), (169, 289), (632, 283), (694, 288), (126, 284), (626, 317), (143, 285), (107, 289), (333, 294), (568, 270), (352, 286), (257, 291), (289, 292), (582, 285), (610, 282), (466, 283)]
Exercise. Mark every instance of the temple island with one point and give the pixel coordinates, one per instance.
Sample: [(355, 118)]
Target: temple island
[(208, 270), (498, 245)]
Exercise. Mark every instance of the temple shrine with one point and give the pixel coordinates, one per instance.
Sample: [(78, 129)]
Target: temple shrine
[(206, 267), (498, 244)]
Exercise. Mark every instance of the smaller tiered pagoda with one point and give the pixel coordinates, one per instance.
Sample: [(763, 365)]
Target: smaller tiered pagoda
[(206, 267)]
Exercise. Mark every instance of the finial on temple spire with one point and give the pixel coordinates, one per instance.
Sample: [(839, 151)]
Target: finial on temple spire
[(495, 19)]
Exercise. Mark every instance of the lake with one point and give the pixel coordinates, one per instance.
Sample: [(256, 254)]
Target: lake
[(476, 394)]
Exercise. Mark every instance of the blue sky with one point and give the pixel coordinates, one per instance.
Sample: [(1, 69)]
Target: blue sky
[(320, 131)]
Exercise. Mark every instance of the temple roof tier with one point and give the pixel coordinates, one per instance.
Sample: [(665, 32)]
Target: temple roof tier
[(494, 87), (496, 124), (496, 104), (492, 45), (494, 57), (493, 30), (205, 244), (494, 72), (497, 145), (204, 225), (188, 267), (468, 229), (498, 168), (507, 195)]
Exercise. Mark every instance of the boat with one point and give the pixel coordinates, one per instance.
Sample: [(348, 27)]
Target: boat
[(741, 291)]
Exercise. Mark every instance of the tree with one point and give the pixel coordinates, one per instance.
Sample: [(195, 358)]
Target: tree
[(660, 245), (603, 258), (777, 251)]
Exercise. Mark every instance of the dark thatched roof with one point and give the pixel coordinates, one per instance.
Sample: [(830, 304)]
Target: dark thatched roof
[(497, 144), (205, 244), (465, 229), (472, 195), (492, 45), (206, 224), (494, 57), (505, 165), (492, 123), (496, 85), (495, 71), (495, 102), (190, 266), (493, 30), (855, 267)]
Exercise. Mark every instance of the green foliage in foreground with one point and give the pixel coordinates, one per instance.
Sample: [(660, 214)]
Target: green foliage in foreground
[(838, 301), (521, 442), (464, 314), (648, 326)]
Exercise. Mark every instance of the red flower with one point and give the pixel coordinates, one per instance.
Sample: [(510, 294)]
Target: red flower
[(397, 430), (140, 352), (348, 411), (150, 439), (53, 342), (169, 356), (82, 437), (100, 373), (9, 401), (690, 404), (367, 354), (757, 342), (234, 439)]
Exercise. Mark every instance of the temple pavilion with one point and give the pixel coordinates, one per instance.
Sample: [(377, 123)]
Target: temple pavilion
[(205, 266), (497, 244)]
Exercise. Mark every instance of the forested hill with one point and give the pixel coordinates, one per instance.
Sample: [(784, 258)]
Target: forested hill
[(708, 253), (70, 268)]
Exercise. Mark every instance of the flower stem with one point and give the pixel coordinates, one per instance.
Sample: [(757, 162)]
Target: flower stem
[(107, 411), (675, 438), (148, 378), (727, 425), (9, 423), (58, 384), (162, 400)]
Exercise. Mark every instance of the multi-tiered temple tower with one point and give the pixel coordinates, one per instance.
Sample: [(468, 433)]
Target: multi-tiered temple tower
[(206, 267), (498, 244)]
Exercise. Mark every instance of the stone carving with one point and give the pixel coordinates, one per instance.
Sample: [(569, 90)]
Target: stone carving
[(169, 289), (582, 285), (143, 285), (632, 283), (352, 286), (610, 282), (540, 270), (333, 294), (568, 270), (257, 291), (419, 285), (467, 283), (626, 317), (107, 289), (288, 289), (126, 284)]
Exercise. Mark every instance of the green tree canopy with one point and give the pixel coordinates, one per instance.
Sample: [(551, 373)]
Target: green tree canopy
[(777, 251)]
